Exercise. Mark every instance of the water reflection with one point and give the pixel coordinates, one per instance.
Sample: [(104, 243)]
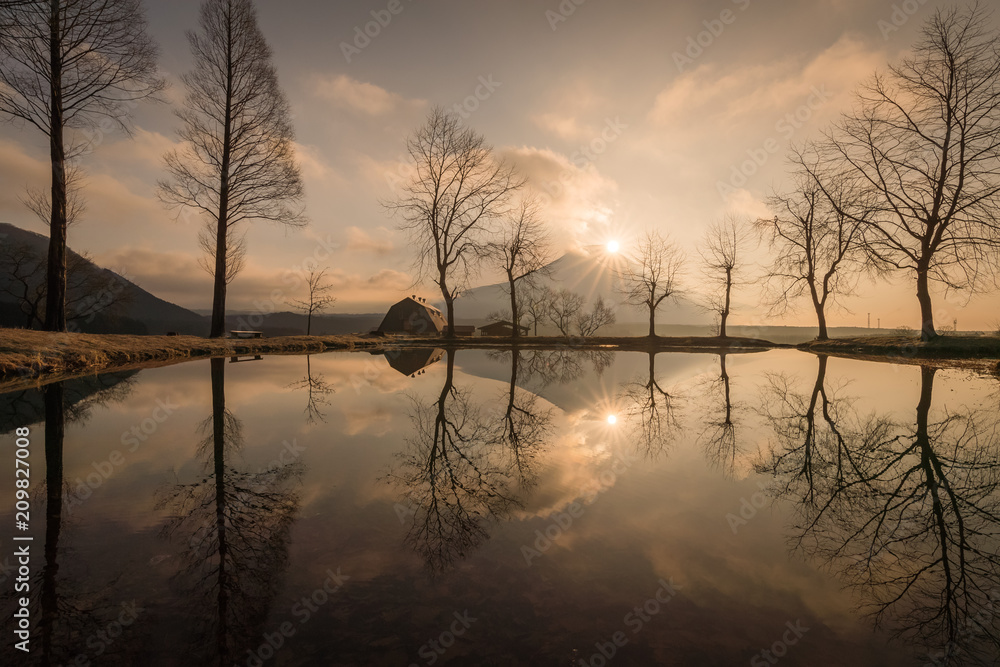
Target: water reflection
[(68, 605), (719, 437), (456, 475), (234, 527), (653, 409), (908, 515), (318, 392)]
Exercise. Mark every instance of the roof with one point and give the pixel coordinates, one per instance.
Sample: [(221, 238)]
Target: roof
[(412, 316)]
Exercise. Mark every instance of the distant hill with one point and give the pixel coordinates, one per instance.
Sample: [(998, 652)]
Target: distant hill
[(591, 271), (142, 313)]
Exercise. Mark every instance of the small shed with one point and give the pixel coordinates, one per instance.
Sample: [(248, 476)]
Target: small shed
[(413, 316), (502, 328), (462, 330)]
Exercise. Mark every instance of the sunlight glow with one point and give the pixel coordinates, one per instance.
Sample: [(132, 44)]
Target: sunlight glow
[(612, 419), (613, 246)]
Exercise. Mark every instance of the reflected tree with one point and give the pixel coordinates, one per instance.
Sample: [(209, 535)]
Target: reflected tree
[(653, 410), (523, 425), (908, 515), (67, 605), (317, 393), (234, 526), (454, 475), (719, 436)]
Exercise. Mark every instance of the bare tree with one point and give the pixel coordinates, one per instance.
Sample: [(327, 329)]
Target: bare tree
[(588, 322), (39, 202), (534, 304), (723, 255), (925, 141), (651, 275), (71, 64), (521, 251), (817, 243), (319, 298), (237, 163), (458, 189), (562, 309)]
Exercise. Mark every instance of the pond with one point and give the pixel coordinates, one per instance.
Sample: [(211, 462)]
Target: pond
[(474, 507)]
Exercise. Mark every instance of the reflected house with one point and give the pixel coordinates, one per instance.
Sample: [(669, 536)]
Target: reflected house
[(502, 328), (413, 316), (410, 362)]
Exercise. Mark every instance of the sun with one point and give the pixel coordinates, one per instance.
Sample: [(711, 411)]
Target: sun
[(613, 246), (612, 419)]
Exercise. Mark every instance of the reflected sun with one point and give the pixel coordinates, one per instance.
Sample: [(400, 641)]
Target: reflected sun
[(613, 246)]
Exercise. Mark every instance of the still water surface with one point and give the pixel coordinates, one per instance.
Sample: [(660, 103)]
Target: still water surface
[(480, 508)]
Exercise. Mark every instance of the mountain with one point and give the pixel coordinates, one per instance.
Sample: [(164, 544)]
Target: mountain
[(591, 271), (140, 312)]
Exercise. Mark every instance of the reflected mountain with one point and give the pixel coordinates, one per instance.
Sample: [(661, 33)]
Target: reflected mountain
[(652, 410), (459, 472), (27, 406), (564, 365), (234, 526), (907, 515)]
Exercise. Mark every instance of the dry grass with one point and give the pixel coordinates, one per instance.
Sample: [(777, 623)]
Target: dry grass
[(27, 354)]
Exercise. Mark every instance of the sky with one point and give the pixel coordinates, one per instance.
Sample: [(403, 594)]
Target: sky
[(625, 116)]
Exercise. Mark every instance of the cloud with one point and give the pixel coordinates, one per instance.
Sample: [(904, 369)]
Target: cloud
[(358, 240), (728, 98), (564, 126), (364, 98), (578, 200)]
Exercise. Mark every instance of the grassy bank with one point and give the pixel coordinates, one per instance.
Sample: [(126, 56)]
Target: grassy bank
[(29, 357), (27, 354), (942, 347)]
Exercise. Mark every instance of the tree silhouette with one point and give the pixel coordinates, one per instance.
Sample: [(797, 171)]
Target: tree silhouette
[(237, 163), (459, 189), (924, 143), (719, 436), (724, 260), (652, 275), (653, 410), (906, 515), (72, 64), (453, 476), (234, 526), (522, 252), (317, 391)]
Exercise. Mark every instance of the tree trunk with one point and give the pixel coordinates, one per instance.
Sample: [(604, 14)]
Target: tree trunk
[(55, 273), (821, 318), (927, 331), (449, 304), (219, 469), (514, 317), (652, 322), (219, 296), (309, 322), (725, 308), (221, 232), (55, 426)]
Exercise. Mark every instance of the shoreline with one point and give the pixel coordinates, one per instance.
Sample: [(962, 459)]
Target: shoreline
[(31, 358)]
